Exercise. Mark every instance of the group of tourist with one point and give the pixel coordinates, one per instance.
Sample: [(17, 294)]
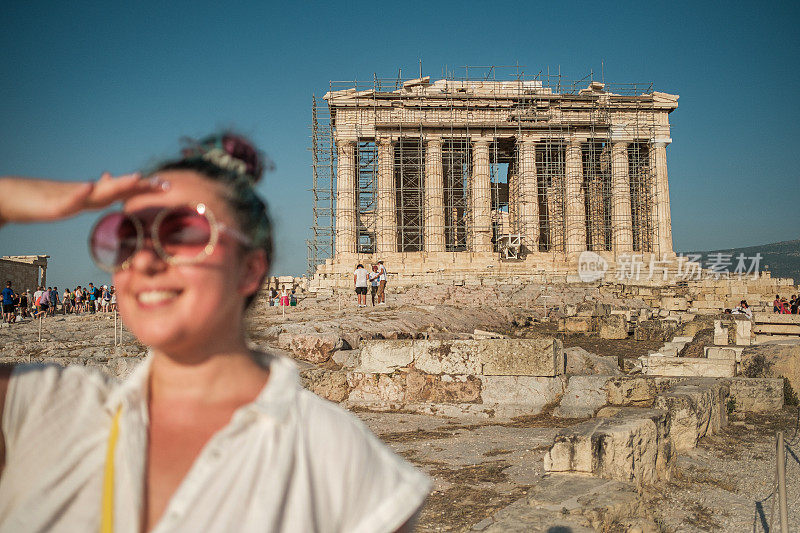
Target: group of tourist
[(784, 306), (44, 301), (284, 298), (374, 279)]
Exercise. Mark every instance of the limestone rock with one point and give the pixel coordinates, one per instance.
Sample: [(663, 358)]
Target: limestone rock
[(631, 391), (442, 388), (383, 357), (576, 324), (583, 396), (757, 395), (631, 445), (695, 411), (311, 346), (655, 330), (773, 361), (542, 357), (328, 384), (532, 392), (580, 362), (612, 327)]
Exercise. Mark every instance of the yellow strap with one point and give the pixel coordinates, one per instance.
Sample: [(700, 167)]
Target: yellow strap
[(107, 516)]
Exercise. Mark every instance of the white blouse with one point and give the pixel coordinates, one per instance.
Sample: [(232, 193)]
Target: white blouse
[(287, 462)]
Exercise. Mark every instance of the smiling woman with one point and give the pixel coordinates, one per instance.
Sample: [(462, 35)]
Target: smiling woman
[(206, 435)]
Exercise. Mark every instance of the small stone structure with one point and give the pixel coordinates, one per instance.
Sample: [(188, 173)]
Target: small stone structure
[(24, 271)]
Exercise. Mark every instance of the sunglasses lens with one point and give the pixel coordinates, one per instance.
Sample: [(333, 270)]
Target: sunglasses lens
[(113, 240), (183, 234)]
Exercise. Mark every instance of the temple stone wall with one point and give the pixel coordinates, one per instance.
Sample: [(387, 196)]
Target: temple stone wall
[(24, 271)]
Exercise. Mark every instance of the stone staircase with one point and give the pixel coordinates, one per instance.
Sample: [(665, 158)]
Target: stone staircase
[(769, 327)]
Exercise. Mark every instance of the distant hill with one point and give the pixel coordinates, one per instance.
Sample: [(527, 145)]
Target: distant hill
[(783, 258)]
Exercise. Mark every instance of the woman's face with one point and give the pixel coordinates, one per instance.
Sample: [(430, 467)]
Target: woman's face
[(180, 308)]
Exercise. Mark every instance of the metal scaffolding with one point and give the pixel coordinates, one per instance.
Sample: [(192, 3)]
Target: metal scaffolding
[(544, 107)]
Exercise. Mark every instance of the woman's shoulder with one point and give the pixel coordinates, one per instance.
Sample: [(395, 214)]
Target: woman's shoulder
[(51, 378)]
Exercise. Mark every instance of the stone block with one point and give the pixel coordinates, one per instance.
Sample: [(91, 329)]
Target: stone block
[(674, 303), (446, 357), (312, 347), (631, 391), (742, 335), (718, 352), (376, 388), (442, 388), (580, 362), (525, 357), (384, 357), (695, 411), (612, 327), (688, 366), (329, 384), (773, 361), (583, 396), (631, 445), (720, 333), (576, 324), (534, 392), (655, 330), (757, 395)]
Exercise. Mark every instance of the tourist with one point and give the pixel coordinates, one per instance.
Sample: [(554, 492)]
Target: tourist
[(794, 303), (382, 283), (743, 309), (360, 277), (43, 303), (78, 299), (113, 301), (92, 298), (37, 295), (784, 306), (293, 299), (8, 303), (66, 301), (106, 295), (24, 302), (53, 301), (257, 451), (373, 280), (776, 304), (284, 297)]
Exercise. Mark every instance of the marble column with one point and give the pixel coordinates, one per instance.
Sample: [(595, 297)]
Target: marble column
[(528, 201), (434, 196), (662, 221), (575, 206), (386, 199), (621, 222), (481, 199), (346, 233)]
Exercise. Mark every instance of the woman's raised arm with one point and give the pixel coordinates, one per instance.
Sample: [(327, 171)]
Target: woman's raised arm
[(37, 200)]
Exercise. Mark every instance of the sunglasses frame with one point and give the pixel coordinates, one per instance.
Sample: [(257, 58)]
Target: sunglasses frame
[(199, 209)]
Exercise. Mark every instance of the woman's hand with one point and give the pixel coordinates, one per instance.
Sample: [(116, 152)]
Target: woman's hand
[(34, 200)]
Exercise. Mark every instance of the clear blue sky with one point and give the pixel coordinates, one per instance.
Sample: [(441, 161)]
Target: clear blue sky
[(90, 86)]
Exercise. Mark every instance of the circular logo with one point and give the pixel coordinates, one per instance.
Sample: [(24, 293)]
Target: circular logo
[(591, 266)]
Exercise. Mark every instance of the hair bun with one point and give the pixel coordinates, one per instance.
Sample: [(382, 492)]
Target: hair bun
[(231, 152)]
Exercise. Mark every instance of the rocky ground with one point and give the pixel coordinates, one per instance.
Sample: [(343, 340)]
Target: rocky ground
[(479, 466)]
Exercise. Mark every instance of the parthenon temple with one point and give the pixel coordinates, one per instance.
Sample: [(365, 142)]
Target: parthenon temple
[(468, 177)]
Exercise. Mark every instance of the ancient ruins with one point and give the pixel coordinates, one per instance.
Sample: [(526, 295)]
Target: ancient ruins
[(24, 271), (449, 178)]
